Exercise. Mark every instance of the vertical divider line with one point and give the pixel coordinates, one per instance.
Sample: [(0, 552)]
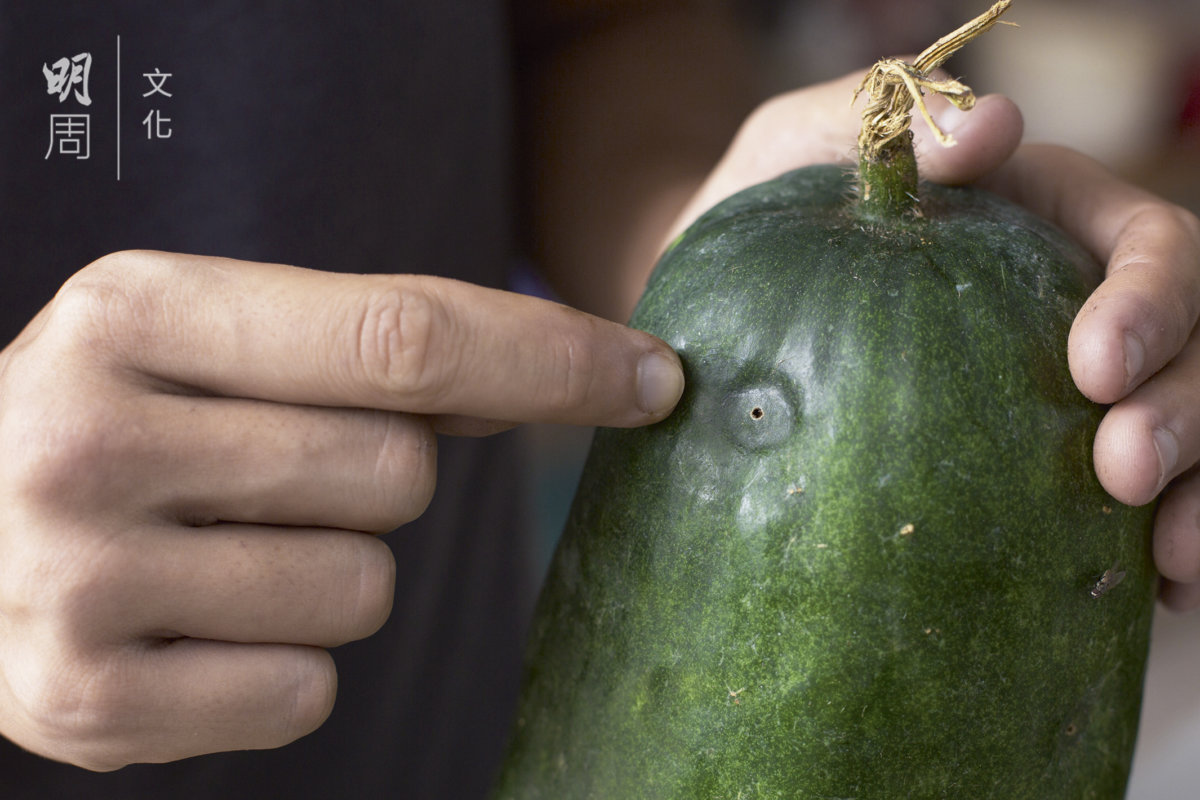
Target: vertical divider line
[(118, 106)]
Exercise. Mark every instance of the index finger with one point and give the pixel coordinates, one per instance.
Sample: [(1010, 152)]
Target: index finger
[(409, 343)]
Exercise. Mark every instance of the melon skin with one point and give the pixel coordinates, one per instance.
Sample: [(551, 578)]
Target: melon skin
[(866, 555)]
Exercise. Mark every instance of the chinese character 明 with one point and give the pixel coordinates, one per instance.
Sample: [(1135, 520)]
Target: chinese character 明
[(71, 132), (157, 79), (154, 125), (68, 73)]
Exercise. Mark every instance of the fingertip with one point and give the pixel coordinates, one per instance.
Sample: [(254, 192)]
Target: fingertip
[(659, 383), (1179, 597), (1101, 358), (1127, 461), (316, 690), (986, 136), (1177, 534)]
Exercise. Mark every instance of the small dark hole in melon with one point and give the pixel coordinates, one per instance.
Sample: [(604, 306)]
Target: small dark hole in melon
[(1071, 729), (757, 413)]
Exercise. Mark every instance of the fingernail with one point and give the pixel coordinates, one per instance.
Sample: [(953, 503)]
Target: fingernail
[(659, 383), (1135, 356), (1167, 447)]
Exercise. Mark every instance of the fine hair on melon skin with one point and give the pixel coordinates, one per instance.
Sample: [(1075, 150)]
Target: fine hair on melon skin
[(867, 556)]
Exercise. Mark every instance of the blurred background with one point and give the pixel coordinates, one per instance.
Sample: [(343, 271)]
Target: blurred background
[(1117, 79)]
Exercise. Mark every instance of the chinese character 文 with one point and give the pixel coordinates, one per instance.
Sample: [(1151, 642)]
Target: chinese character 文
[(157, 79), (71, 132), (68, 74)]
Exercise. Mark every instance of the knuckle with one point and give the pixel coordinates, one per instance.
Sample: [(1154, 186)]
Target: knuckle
[(774, 121), (1158, 219), (73, 712), (82, 312), (97, 305), (766, 117), (62, 451), (571, 381), (1190, 224), (772, 109), (398, 335), (61, 429), (1155, 236), (56, 596)]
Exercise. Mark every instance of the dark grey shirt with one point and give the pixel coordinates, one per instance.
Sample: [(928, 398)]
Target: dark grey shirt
[(364, 137)]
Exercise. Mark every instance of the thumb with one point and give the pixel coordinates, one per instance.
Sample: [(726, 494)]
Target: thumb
[(986, 136), (818, 124)]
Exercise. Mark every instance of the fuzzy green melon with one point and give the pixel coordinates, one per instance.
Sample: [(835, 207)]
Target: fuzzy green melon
[(867, 556)]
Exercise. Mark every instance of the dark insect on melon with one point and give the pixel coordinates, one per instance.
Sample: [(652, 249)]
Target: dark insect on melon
[(867, 556)]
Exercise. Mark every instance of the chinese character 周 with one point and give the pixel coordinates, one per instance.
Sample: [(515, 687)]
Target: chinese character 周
[(71, 132)]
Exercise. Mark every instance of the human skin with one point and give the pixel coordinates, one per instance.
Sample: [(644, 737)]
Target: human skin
[(161, 416), (196, 453), (1134, 344)]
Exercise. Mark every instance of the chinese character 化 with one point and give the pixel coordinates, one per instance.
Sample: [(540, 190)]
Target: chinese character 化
[(157, 130), (66, 74), (72, 134)]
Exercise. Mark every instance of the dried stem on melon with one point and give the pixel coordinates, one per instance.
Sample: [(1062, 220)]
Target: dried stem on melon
[(887, 166)]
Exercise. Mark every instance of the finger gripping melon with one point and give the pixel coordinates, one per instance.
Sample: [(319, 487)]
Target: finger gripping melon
[(867, 556)]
